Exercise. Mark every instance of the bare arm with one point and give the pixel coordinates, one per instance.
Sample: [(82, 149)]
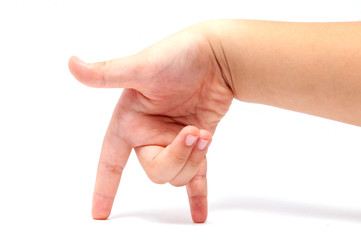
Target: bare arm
[(313, 68)]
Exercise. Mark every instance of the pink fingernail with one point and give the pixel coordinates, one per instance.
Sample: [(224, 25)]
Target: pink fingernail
[(202, 144), (190, 140)]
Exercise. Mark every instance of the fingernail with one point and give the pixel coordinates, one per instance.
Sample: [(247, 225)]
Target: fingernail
[(190, 140), (202, 144), (79, 61)]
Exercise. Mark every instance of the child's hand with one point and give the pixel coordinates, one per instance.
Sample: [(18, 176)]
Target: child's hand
[(175, 95)]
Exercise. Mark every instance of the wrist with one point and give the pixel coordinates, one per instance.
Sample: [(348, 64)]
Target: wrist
[(223, 38)]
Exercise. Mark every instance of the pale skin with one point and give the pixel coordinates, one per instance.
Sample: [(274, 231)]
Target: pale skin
[(177, 91)]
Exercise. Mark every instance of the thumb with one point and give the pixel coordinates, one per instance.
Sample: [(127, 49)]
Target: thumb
[(116, 73)]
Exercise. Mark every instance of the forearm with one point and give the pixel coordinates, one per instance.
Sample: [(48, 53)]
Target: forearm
[(313, 68)]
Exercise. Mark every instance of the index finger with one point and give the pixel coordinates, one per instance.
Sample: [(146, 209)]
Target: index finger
[(113, 158)]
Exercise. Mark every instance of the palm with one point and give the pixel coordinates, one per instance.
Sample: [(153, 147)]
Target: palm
[(181, 87), (173, 84)]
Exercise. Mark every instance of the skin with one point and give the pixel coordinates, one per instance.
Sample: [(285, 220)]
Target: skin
[(173, 89), (177, 91), (313, 68)]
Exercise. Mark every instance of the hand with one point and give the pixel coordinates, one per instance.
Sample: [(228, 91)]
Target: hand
[(174, 97)]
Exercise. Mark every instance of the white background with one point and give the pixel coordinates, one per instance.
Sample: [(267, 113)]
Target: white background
[(273, 174)]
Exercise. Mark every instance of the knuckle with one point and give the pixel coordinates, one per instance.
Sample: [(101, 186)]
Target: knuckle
[(198, 178), (178, 157), (195, 162), (103, 196), (112, 168), (199, 186), (105, 72)]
